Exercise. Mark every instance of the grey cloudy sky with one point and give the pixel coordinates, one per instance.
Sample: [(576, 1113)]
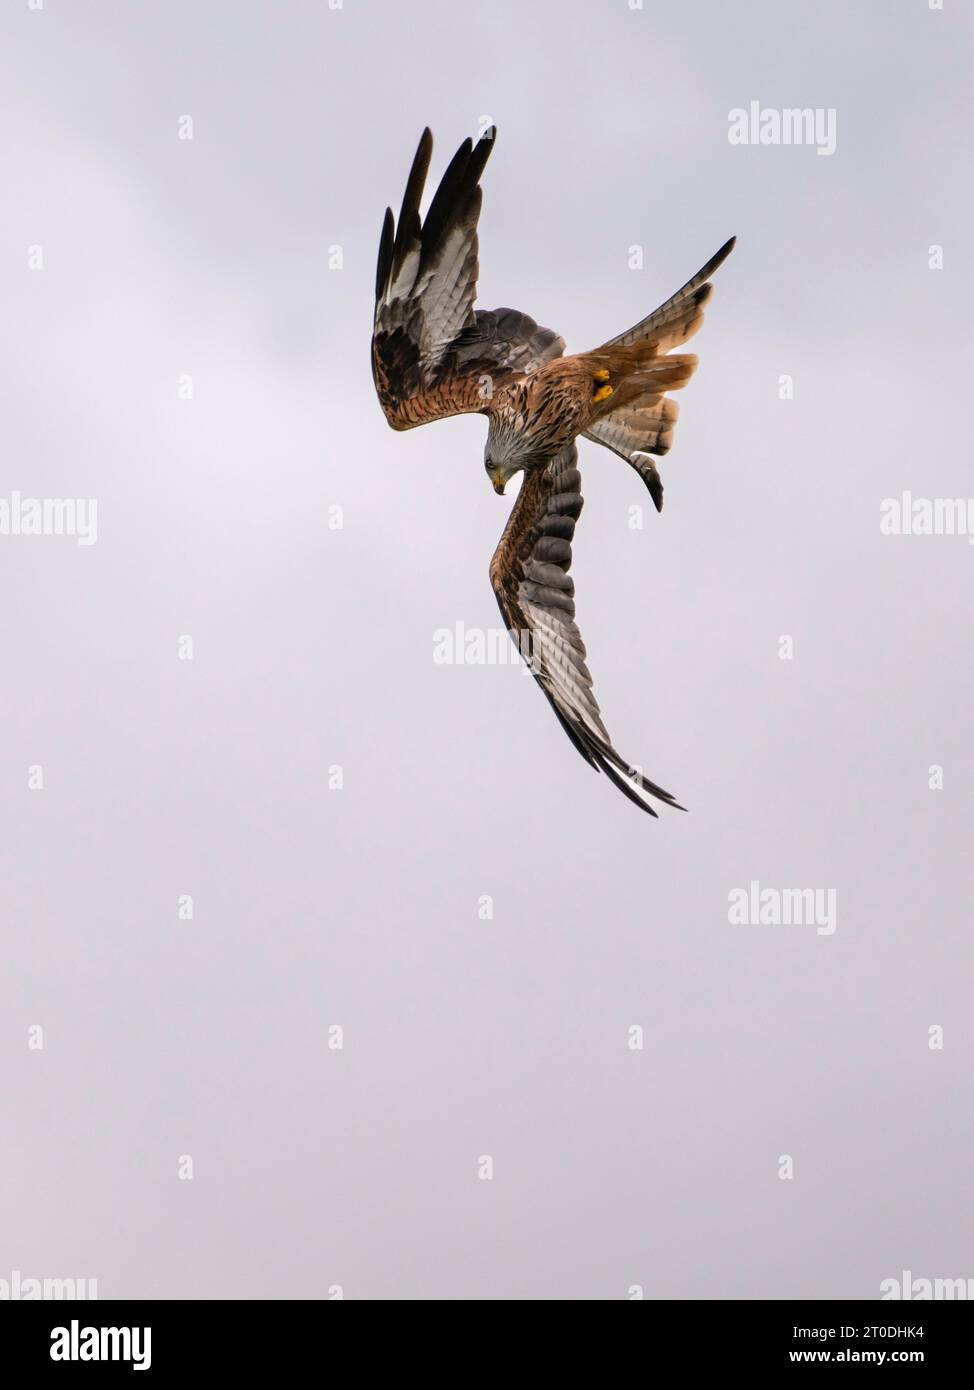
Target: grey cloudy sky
[(313, 647)]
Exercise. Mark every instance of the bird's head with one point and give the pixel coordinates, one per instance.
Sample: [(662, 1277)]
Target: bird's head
[(501, 471), (505, 452)]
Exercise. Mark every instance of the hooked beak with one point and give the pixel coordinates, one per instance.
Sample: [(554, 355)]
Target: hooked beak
[(499, 486)]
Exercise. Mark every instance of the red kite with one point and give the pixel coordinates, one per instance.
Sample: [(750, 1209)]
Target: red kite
[(434, 355)]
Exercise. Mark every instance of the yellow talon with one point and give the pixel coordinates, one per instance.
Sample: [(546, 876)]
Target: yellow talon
[(602, 394), (602, 375)]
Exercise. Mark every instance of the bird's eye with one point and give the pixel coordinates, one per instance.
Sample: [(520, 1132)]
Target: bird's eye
[(488, 465)]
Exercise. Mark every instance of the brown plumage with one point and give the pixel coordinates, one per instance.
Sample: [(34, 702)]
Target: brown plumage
[(434, 355)]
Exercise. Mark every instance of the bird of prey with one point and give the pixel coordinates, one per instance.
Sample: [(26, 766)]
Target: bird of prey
[(435, 355)]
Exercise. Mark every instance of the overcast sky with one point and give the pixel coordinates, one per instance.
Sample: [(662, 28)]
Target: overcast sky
[(243, 259)]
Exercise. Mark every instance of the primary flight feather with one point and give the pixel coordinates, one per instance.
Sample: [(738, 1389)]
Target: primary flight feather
[(435, 355)]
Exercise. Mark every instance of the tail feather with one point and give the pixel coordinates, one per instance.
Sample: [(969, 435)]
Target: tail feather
[(644, 428), (636, 419)]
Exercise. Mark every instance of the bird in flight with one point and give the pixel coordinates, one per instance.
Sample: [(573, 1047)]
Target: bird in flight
[(435, 355)]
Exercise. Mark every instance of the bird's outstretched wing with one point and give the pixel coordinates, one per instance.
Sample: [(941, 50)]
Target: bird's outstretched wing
[(433, 354), (529, 572)]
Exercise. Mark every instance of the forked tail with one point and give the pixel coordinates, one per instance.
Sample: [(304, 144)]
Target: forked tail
[(633, 417)]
